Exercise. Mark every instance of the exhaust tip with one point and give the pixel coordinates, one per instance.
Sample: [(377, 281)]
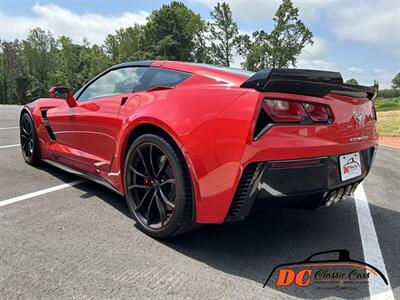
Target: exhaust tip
[(339, 195), (353, 189), (331, 198), (334, 196), (348, 190)]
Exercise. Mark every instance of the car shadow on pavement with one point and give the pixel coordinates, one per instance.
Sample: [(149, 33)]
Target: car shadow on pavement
[(55, 172), (89, 188), (252, 248)]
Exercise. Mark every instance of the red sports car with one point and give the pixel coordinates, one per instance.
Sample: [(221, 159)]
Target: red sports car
[(190, 143)]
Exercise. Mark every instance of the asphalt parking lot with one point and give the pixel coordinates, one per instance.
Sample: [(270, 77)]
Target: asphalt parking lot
[(79, 241)]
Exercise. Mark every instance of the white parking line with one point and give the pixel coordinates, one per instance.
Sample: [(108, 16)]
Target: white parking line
[(41, 192), (10, 146), (372, 252), (6, 128)]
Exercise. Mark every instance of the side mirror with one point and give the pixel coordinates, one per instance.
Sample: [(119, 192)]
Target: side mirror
[(62, 92)]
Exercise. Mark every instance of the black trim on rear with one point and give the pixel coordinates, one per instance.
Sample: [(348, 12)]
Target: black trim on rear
[(299, 183), (307, 82)]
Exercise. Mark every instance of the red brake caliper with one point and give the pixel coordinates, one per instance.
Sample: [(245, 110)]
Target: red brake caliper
[(146, 181)]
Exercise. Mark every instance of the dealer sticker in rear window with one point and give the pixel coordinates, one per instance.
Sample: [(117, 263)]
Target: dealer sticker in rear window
[(350, 166)]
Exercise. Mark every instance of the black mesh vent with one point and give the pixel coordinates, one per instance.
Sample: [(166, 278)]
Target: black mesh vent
[(242, 191), (51, 133), (44, 115), (47, 125)]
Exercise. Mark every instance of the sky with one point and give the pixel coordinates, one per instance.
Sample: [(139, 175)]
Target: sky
[(359, 38)]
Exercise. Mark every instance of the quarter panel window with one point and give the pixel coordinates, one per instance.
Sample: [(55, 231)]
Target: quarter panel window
[(119, 81), (155, 76), (164, 77)]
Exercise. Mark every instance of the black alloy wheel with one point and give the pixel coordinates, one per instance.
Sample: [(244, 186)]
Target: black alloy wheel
[(157, 186), (29, 145)]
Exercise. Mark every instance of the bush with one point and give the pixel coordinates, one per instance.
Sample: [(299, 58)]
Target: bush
[(383, 104), (389, 93)]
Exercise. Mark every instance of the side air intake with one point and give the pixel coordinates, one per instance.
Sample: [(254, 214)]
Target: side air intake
[(241, 203), (47, 125)]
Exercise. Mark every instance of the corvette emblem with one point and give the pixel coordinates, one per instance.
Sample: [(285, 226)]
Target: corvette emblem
[(358, 116)]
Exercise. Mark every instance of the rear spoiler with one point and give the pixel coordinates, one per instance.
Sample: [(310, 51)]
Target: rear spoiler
[(307, 82)]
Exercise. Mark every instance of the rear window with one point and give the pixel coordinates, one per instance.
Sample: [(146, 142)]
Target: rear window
[(228, 69)]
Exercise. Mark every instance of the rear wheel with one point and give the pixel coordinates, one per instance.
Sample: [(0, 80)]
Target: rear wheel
[(29, 141), (158, 187)]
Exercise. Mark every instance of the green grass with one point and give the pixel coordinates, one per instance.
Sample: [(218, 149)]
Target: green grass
[(388, 111), (382, 104), (388, 123)]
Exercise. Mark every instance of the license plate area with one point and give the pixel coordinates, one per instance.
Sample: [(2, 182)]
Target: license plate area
[(350, 166)]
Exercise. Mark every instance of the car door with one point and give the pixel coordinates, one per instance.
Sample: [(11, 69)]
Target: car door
[(87, 132)]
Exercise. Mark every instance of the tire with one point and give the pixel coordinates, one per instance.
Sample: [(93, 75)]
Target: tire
[(29, 141), (158, 187)]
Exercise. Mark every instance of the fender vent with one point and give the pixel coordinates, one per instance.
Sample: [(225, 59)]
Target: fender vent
[(241, 205), (47, 125)]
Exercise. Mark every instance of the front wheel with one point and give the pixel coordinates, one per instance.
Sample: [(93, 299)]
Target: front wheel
[(29, 141), (158, 186)]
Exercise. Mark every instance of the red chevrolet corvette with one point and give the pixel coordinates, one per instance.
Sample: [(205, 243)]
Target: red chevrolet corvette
[(190, 143)]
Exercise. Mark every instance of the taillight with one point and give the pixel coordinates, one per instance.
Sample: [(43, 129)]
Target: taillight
[(285, 111), (317, 112)]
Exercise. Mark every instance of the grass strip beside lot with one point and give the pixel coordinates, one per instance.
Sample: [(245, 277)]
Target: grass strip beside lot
[(387, 104), (389, 123), (388, 112)]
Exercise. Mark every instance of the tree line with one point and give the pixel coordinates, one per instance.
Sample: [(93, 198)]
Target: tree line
[(29, 67), (173, 32), (393, 92)]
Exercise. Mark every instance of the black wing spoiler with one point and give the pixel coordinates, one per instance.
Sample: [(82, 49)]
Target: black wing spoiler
[(307, 82)]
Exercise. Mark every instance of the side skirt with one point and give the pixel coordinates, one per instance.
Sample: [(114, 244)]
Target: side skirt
[(84, 175)]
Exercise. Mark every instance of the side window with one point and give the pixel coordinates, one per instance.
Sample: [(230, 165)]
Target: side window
[(119, 81), (160, 77), (165, 77)]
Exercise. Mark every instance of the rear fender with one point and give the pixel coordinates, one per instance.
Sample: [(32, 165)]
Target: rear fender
[(212, 143)]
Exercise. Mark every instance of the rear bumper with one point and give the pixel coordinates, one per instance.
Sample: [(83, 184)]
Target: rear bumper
[(302, 183)]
